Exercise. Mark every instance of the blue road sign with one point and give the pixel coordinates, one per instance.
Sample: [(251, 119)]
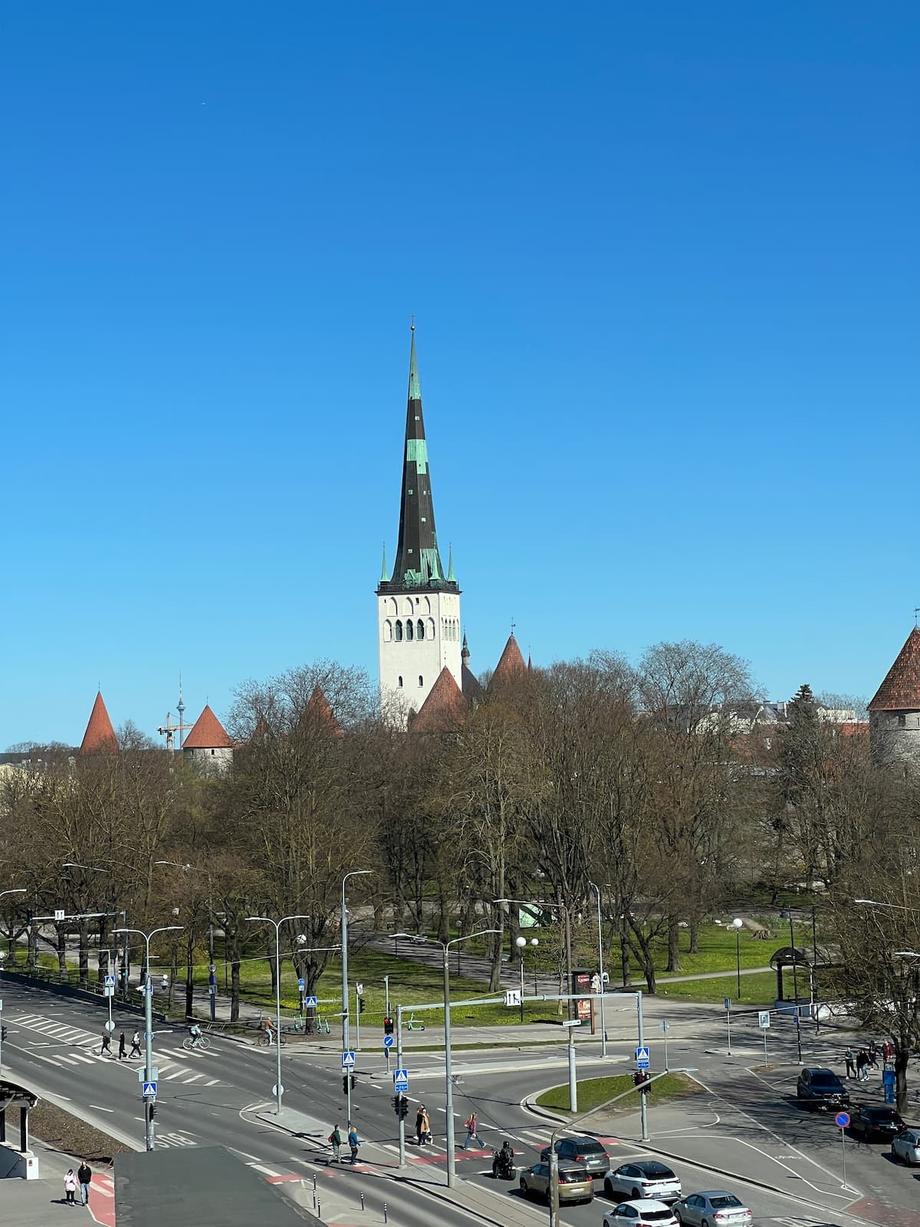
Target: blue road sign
[(308, 1001), (110, 982), (301, 983), (388, 1041), (348, 1059), (842, 1120), (401, 1081), (150, 1090), (642, 1058)]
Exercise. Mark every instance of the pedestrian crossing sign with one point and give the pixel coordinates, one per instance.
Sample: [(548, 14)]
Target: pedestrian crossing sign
[(349, 1059), (150, 1090), (310, 1002)]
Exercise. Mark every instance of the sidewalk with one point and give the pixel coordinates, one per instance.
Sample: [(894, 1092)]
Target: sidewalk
[(39, 1203)]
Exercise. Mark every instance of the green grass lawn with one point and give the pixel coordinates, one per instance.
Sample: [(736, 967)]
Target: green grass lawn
[(758, 989), (593, 1092)]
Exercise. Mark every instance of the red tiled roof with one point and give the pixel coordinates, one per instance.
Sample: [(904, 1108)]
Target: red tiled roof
[(207, 733), (318, 706), (444, 710), (900, 691), (511, 666), (99, 733)]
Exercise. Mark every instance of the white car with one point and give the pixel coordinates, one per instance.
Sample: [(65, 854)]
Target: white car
[(906, 1146), (643, 1178), (643, 1212)]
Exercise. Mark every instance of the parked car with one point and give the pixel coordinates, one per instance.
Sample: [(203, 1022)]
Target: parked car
[(643, 1178), (584, 1150), (875, 1121), (575, 1183), (641, 1212), (713, 1209), (821, 1088), (906, 1146)]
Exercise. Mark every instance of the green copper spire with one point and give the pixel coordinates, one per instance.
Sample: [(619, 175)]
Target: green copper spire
[(451, 578), (383, 566), (415, 386)]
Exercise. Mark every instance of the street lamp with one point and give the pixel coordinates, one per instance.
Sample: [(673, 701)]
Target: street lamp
[(600, 966), (279, 1089), (149, 1130), (566, 920), (343, 935), (521, 943), (738, 925)]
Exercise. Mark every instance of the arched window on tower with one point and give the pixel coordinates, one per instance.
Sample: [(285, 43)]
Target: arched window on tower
[(399, 680), (399, 630), (387, 631), (410, 629), (420, 630), (421, 680), (430, 628)]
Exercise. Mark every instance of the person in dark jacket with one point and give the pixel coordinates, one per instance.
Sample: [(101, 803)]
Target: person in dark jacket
[(84, 1176), (122, 1046)]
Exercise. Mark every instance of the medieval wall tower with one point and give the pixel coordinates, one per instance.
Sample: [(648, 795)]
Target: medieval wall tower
[(894, 713), (418, 605)]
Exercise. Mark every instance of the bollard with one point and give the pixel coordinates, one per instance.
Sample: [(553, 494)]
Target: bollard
[(363, 1207), (319, 1210), (385, 1219), (314, 1184)]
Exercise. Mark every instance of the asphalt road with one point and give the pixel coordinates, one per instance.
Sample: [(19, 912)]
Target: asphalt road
[(213, 1098)]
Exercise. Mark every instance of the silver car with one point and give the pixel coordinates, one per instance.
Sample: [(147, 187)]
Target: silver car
[(906, 1146), (715, 1208), (643, 1178)]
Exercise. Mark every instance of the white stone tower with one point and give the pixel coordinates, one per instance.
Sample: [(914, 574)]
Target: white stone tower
[(418, 605), (894, 713)]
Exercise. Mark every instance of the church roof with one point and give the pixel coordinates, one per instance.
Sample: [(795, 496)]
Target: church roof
[(511, 666), (900, 691), (207, 733), (318, 705), (418, 560), (99, 733), (445, 708)]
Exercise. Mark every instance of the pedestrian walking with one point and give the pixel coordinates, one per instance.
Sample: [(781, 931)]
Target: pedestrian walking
[(471, 1131), (426, 1127), (106, 1044), (84, 1176), (851, 1067), (862, 1066), (335, 1141), (122, 1046), (419, 1123), (873, 1055), (135, 1045), (887, 1051), (70, 1187), (353, 1142)]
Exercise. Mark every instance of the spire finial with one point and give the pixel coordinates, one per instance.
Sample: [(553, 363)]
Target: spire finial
[(513, 624), (916, 612)]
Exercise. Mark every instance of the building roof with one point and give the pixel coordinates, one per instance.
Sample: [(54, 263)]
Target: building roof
[(418, 561), (445, 708), (318, 706), (511, 666), (207, 733), (900, 691), (99, 733), (198, 1186)]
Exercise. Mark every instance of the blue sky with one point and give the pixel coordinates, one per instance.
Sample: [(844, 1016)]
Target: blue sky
[(664, 263)]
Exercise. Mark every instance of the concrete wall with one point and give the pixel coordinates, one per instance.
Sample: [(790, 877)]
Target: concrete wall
[(403, 661)]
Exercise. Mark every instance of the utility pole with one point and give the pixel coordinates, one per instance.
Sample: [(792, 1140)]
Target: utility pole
[(343, 929)]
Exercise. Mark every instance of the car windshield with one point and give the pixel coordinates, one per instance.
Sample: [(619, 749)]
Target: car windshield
[(724, 1201), (656, 1171), (881, 1113), (824, 1078), (588, 1146)]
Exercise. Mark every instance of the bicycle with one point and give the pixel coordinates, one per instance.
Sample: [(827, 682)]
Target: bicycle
[(191, 1042), (266, 1039)]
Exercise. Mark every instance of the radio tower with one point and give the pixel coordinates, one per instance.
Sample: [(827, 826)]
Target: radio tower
[(168, 729)]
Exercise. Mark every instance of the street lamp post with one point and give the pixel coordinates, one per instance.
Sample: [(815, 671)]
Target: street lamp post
[(279, 1089), (343, 930), (567, 933), (149, 1127), (600, 966), (738, 925)]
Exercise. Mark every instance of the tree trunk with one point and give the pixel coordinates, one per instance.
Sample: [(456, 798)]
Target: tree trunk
[(32, 956), (694, 934), (625, 973), (498, 941), (62, 952), (901, 1059), (274, 969), (235, 989), (189, 978), (83, 949), (673, 945)]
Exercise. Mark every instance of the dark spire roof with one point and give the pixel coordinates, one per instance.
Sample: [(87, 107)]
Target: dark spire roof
[(469, 683), (900, 691), (418, 561)]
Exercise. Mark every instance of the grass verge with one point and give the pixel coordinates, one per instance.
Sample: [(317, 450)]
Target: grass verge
[(592, 1092)]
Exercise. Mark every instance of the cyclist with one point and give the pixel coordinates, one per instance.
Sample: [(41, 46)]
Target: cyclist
[(269, 1029), (194, 1033)]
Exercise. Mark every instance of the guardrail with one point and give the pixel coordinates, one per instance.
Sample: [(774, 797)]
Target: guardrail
[(63, 989)]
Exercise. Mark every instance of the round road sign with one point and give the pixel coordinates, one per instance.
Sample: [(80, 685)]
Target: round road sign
[(275, 1089), (842, 1119), (110, 1026)]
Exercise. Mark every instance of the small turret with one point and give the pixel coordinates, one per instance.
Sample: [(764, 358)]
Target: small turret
[(894, 713)]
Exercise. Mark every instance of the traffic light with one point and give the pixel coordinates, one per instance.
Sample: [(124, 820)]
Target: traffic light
[(403, 1107), (345, 1078), (388, 1026), (360, 1005), (396, 1102)]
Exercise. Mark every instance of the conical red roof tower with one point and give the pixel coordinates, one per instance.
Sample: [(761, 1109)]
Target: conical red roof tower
[(320, 709), (99, 733), (900, 691), (511, 666), (444, 710), (207, 733)]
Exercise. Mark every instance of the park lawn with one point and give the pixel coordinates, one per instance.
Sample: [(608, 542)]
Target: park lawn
[(595, 1092), (757, 990)]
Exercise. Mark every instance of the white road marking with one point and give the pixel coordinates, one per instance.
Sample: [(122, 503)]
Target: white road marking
[(194, 1077), (260, 1167), (100, 1108)]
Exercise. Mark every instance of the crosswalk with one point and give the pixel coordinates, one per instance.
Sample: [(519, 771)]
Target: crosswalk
[(67, 1046)]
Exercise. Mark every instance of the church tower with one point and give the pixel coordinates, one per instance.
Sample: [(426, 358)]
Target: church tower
[(418, 605)]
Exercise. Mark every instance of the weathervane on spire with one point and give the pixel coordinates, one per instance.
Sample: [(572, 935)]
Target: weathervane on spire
[(412, 323), (916, 612), (513, 624)]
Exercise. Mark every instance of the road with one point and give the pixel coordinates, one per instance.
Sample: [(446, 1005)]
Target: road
[(214, 1098)]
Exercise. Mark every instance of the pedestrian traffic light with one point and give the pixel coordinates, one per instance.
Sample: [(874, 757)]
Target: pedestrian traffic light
[(388, 1026), (396, 1102), (403, 1107), (345, 1083), (360, 1005)]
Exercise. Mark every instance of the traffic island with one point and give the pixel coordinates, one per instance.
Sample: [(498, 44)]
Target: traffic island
[(595, 1092)]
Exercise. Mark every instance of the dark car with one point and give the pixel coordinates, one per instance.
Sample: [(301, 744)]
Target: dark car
[(585, 1151), (821, 1088), (875, 1122)]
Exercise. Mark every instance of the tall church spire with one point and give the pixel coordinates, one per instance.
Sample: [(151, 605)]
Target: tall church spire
[(418, 560)]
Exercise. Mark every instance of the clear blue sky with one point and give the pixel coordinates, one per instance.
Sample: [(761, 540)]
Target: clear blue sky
[(664, 262)]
